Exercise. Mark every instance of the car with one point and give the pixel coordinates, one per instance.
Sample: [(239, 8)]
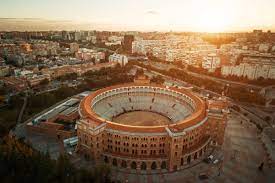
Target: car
[(203, 176), (209, 159), (216, 161)]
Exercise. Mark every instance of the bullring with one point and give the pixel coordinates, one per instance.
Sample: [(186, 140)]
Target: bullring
[(109, 133)]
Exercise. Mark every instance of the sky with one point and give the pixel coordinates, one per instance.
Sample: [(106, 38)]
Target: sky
[(178, 15)]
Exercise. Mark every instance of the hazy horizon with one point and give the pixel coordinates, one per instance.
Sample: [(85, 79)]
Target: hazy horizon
[(142, 15), (40, 24)]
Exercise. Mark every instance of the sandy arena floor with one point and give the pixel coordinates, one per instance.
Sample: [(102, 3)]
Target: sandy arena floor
[(142, 118)]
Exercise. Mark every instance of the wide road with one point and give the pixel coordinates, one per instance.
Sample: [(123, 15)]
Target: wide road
[(19, 119)]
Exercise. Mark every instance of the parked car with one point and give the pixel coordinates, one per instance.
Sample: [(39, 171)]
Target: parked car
[(209, 159), (216, 161)]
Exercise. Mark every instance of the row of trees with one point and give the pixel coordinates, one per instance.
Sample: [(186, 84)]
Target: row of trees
[(20, 163), (260, 81), (157, 79), (9, 114), (108, 76), (70, 76)]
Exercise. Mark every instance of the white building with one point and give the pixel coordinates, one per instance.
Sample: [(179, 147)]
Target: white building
[(92, 39), (88, 54), (117, 58), (19, 72), (253, 67), (77, 36), (264, 48), (115, 38), (211, 62)]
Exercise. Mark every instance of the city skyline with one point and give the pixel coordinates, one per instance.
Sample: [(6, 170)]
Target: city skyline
[(161, 15)]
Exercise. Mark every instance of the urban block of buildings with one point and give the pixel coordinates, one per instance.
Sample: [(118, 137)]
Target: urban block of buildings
[(252, 66)]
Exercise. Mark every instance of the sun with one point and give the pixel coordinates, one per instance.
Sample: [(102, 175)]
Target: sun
[(212, 21), (212, 17)]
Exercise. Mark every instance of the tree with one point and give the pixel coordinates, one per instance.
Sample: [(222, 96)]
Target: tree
[(44, 82), (158, 79), (70, 76), (20, 163), (93, 60), (139, 72)]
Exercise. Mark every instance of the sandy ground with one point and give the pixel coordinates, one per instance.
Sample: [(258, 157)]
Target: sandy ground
[(142, 118)]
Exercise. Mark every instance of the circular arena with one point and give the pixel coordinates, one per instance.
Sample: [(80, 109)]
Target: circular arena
[(147, 106), (144, 127)]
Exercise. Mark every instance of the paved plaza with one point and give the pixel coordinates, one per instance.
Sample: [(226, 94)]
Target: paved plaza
[(242, 151)]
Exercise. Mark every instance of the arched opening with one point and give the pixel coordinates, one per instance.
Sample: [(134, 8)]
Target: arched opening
[(106, 160), (114, 162), (200, 154), (154, 166), (123, 164), (196, 155), (134, 165), (181, 162), (143, 166), (163, 165), (189, 159), (87, 157)]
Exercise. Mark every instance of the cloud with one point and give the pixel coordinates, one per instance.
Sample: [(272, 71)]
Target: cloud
[(152, 12)]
